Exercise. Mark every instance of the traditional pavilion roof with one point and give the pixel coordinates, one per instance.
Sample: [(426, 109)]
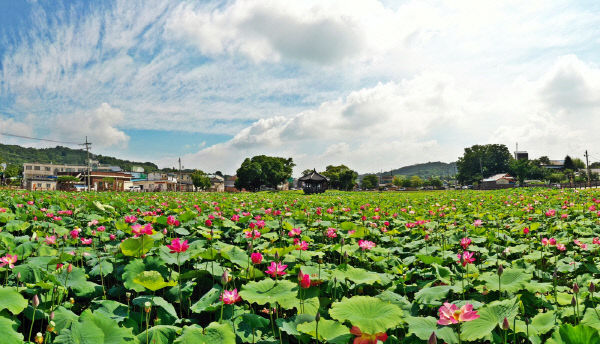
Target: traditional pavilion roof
[(313, 176)]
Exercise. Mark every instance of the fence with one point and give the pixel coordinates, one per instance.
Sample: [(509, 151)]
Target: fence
[(574, 185)]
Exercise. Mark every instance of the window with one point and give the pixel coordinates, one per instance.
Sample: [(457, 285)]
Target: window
[(48, 186), (47, 168), (36, 168), (39, 185), (28, 167)]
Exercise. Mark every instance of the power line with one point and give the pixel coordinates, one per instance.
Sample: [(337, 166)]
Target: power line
[(39, 139)]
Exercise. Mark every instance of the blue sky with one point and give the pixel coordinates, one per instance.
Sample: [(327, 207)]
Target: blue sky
[(372, 84)]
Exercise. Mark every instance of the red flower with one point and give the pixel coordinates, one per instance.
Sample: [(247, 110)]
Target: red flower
[(304, 280), (256, 258), (365, 338), (230, 297), (177, 246)]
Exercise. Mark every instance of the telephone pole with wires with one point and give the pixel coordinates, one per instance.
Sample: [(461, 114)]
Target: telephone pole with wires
[(587, 165), (87, 148)]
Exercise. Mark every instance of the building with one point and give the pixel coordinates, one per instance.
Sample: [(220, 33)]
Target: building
[(229, 184), (521, 155), (555, 165), (217, 183), (41, 183), (102, 180), (313, 182), (32, 170), (498, 179), (157, 185)]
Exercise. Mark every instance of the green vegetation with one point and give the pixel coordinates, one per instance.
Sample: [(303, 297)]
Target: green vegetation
[(340, 177), (262, 170), (200, 180)]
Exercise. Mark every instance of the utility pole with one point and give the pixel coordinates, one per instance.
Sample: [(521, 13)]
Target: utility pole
[(481, 168), (587, 165), (87, 148)]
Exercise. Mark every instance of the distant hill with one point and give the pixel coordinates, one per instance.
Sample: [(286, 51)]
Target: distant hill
[(426, 170), (13, 154)]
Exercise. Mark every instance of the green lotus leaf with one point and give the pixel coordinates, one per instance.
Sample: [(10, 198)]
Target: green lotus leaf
[(207, 299), (8, 329), (136, 247), (580, 334), (152, 280), (13, 301), (95, 328), (370, 314), (269, 291), (159, 334), (433, 295), (329, 330), (424, 327), (511, 280), (490, 316), (212, 334)]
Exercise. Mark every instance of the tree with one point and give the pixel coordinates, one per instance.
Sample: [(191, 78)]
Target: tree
[(544, 160), (306, 172), (568, 164), (579, 164), (416, 181), (370, 181), (480, 161), (262, 170), (398, 180), (520, 169), (340, 177), (219, 173), (200, 180), (435, 182)]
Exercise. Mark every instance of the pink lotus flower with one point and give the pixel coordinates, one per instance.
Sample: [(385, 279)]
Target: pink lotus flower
[(366, 338), (230, 297), (366, 244), (564, 216), (304, 280), (235, 218), (294, 232), (466, 258), (172, 221), (130, 219), (252, 234), (177, 246), (560, 247), (112, 237), (525, 230), (208, 223), (30, 202), (465, 242), (550, 212), (276, 269), (138, 230), (331, 233), (477, 223), (101, 228), (93, 222), (552, 241), (256, 258), (85, 241), (302, 246), (544, 241), (50, 240), (9, 260), (74, 233), (596, 241), (451, 314)]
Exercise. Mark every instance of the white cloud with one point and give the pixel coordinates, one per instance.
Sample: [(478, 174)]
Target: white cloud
[(100, 125)]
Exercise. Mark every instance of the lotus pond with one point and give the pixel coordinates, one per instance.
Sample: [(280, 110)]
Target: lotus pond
[(507, 266)]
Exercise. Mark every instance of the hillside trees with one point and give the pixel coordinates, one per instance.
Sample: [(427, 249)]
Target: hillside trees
[(481, 161)]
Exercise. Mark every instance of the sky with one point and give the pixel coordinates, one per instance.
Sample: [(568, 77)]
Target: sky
[(375, 85)]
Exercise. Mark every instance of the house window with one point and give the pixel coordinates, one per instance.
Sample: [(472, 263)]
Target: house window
[(47, 168), (39, 185), (48, 186), (28, 168), (36, 168)]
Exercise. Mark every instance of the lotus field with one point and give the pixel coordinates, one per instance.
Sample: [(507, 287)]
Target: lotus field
[(508, 266)]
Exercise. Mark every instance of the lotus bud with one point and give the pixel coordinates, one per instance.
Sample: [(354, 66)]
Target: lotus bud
[(573, 302), (36, 301), (225, 278), (343, 241), (147, 307), (526, 321), (432, 339), (276, 256), (52, 315), (318, 317), (575, 288), (500, 270), (592, 287), (70, 268), (555, 275), (18, 276), (505, 324), (345, 256)]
